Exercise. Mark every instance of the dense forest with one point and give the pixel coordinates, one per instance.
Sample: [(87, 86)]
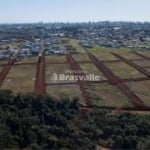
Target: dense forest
[(42, 122)]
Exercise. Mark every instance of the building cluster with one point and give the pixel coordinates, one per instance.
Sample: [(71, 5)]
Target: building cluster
[(107, 34)]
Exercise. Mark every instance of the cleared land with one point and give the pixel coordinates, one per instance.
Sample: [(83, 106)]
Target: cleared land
[(145, 53), (1, 68), (56, 69), (81, 57), (28, 60), (128, 54), (142, 63), (102, 53), (142, 90), (56, 59), (123, 70), (65, 91), (105, 95), (76, 45), (3, 62), (21, 79), (91, 69)]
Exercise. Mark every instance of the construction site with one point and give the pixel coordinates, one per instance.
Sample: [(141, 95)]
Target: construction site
[(124, 77)]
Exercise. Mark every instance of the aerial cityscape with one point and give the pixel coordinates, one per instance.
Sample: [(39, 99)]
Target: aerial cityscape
[(74, 84)]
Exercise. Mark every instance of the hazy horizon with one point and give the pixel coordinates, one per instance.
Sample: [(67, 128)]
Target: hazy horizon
[(69, 11)]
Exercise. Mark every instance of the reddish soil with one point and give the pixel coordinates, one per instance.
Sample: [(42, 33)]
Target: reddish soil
[(6, 70), (40, 76), (84, 87), (129, 62), (115, 80)]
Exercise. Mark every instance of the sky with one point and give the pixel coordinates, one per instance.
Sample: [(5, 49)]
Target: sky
[(33, 11)]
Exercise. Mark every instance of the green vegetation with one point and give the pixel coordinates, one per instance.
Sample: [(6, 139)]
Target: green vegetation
[(40, 122), (76, 45), (98, 48)]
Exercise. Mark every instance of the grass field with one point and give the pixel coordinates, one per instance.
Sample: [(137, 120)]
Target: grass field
[(3, 62), (102, 53), (98, 49), (1, 68), (16, 44), (142, 90), (124, 70), (65, 91), (58, 69), (28, 60), (148, 69), (128, 55), (21, 79), (81, 57), (76, 45), (106, 95), (51, 59), (146, 53), (142, 63), (91, 69)]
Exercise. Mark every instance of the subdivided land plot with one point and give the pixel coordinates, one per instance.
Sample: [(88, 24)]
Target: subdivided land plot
[(21, 79)]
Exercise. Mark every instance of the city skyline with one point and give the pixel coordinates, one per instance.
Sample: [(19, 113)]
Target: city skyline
[(33, 11)]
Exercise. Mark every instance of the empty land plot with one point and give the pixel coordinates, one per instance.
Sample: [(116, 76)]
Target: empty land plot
[(104, 55), (64, 40), (28, 60), (1, 68), (65, 91), (76, 45), (59, 69), (124, 70), (105, 95), (21, 79), (148, 69), (142, 63), (97, 48), (91, 69), (128, 54), (142, 90), (81, 57), (71, 49), (145, 53), (52, 59), (16, 44), (3, 62)]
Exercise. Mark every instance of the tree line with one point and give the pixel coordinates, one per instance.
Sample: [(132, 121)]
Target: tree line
[(42, 122)]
